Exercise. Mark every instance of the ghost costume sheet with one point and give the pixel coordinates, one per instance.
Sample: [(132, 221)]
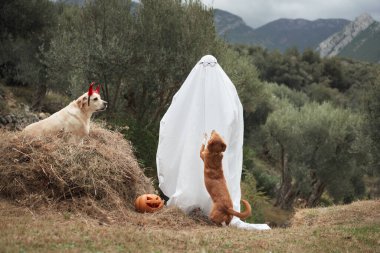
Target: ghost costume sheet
[(207, 100)]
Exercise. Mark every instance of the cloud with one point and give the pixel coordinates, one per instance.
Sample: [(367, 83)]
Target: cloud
[(259, 12)]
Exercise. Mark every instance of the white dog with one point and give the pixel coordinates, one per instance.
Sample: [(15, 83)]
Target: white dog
[(74, 118)]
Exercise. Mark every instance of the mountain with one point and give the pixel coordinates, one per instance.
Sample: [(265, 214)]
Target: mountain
[(279, 34), (232, 27), (301, 33), (365, 46), (360, 40)]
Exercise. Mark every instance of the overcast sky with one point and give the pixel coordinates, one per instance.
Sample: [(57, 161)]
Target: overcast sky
[(259, 12)]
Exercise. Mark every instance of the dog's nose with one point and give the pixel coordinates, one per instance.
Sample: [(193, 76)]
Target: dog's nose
[(105, 102)]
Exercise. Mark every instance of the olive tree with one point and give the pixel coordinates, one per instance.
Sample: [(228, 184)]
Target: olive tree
[(93, 43), (318, 148), (171, 37), (24, 27)]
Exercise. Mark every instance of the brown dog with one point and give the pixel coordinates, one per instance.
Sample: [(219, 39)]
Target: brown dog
[(222, 208)]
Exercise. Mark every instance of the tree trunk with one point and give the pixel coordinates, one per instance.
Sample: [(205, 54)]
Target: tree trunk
[(317, 190), (115, 97), (106, 92), (286, 193), (38, 97)]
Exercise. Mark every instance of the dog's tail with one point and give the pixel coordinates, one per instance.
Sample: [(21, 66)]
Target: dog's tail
[(247, 212)]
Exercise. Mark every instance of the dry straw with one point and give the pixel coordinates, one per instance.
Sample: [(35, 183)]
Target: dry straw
[(52, 169), (100, 178)]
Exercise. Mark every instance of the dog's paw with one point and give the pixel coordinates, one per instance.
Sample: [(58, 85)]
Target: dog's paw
[(205, 138)]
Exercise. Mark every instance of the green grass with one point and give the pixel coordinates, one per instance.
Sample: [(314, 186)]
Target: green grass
[(364, 234)]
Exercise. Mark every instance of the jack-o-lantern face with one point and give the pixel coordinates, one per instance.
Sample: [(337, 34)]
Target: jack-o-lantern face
[(148, 203)]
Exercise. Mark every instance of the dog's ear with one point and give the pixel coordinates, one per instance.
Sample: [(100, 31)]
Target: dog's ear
[(81, 102), (223, 146)]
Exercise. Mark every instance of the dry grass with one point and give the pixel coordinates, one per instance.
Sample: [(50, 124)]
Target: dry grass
[(24, 230), (355, 213)]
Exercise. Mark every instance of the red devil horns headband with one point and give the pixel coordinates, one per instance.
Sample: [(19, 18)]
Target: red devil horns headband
[(91, 90)]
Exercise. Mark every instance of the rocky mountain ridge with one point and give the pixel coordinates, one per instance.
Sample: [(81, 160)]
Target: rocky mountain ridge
[(225, 21), (284, 33), (334, 44)]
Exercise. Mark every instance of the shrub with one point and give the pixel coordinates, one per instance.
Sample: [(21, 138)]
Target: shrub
[(54, 102), (257, 199)]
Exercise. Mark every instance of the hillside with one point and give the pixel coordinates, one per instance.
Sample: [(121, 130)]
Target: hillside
[(365, 46), (232, 28), (301, 33), (334, 44), (351, 228), (279, 34)]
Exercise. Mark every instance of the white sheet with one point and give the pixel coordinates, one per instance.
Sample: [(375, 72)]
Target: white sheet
[(207, 100)]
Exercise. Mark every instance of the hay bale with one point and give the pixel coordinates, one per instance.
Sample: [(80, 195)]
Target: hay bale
[(50, 170)]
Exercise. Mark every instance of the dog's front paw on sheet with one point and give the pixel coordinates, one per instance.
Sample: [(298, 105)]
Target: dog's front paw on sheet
[(205, 137)]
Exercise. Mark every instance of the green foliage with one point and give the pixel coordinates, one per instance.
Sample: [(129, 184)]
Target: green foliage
[(141, 58), (35, 15), (333, 70), (342, 83), (21, 36), (282, 92), (248, 155), (257, 199), (298, 71), (322, 143), (92, 43), (325, 200), (322, 93), (364, 77), (171, 36), (244, 76), (3, 104), (286, 68), (373, 114), (266, 180), (253, 95), (23, 94), (54, 102), (145, 142), (334, 146)]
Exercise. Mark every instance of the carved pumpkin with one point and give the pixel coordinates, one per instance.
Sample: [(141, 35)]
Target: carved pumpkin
[(148, 203)]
